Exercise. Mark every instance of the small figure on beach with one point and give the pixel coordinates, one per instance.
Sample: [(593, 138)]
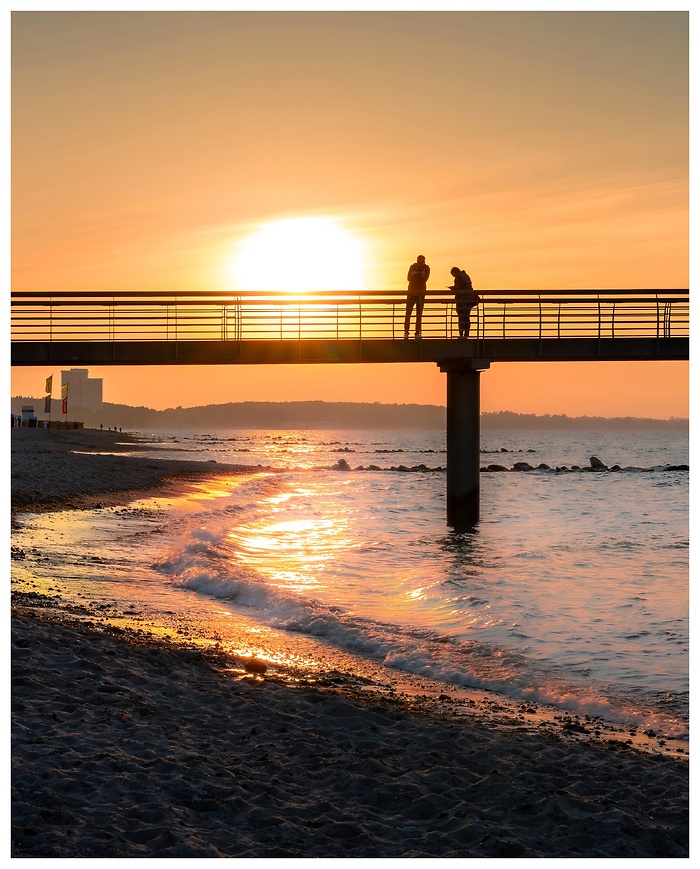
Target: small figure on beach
[(465, 299), (417, 278)]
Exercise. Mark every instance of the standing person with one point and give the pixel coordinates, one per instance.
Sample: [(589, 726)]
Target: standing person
[(465, 299), (417, 278)]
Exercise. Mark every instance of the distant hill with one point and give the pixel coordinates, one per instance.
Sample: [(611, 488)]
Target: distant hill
[(331, 414), (506, 419), (283, 415)]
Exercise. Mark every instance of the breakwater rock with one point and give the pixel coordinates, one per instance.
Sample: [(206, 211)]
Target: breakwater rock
[(596, 466)]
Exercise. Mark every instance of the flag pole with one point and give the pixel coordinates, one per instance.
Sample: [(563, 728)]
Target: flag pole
[(64, 402), (48, 399)]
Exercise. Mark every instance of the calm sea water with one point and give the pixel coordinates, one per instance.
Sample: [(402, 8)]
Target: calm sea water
[(571, 591)]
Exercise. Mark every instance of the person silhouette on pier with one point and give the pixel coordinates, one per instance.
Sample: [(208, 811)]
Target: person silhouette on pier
[(417, 278), (465, 299)]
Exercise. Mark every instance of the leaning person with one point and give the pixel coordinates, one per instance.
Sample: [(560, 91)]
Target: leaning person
[(417, 278), (465, 299)]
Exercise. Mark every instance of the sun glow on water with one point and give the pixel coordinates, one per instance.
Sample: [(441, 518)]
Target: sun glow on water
[(291, 548), (300, 255)]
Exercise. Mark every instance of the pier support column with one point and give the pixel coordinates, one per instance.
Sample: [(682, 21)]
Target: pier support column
[(463, 440)]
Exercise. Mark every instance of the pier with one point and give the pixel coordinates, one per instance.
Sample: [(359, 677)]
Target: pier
[(263, 328)]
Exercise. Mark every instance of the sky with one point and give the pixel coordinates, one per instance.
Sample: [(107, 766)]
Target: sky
[(537, 149)]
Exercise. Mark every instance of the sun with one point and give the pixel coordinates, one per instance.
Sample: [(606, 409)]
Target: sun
[(300, 255)]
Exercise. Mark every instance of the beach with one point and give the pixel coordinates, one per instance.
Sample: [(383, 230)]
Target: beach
[(62, 469), (124, 745)]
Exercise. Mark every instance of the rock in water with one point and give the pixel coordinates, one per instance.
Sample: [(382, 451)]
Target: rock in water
[(597, 465)]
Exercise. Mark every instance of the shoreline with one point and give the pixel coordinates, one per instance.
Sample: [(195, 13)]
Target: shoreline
[(77, 469), (125, 746)]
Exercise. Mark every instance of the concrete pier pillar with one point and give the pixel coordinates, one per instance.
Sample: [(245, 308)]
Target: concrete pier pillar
[(463, 440)]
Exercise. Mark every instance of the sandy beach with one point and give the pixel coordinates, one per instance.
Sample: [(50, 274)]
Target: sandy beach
[(128, 746)]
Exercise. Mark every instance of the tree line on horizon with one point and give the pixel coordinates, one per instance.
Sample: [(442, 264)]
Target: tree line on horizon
[(325, 414)]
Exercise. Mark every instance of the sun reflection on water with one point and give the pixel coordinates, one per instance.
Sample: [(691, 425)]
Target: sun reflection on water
[(291, 553)]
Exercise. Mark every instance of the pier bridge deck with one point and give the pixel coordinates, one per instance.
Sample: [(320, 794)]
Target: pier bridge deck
[(156, 328)]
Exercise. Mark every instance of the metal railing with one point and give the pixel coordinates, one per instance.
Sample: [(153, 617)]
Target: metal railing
[(367, 315)]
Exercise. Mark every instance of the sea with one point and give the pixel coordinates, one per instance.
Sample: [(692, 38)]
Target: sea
[(328, 557)]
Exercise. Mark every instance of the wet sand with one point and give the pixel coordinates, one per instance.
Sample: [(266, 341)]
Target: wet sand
[(54, 469), (124, 746)]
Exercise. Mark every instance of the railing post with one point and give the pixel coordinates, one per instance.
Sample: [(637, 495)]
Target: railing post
[(238, 321)]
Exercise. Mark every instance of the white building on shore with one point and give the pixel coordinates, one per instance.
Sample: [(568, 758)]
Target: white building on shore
[(84, 393)]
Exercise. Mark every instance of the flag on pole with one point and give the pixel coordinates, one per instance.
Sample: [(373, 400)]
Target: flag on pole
[(64, 391), (47, 405), (49, 383), (64, 405)]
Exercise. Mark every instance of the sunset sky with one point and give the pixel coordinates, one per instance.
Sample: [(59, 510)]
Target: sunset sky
[(533, 149)]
